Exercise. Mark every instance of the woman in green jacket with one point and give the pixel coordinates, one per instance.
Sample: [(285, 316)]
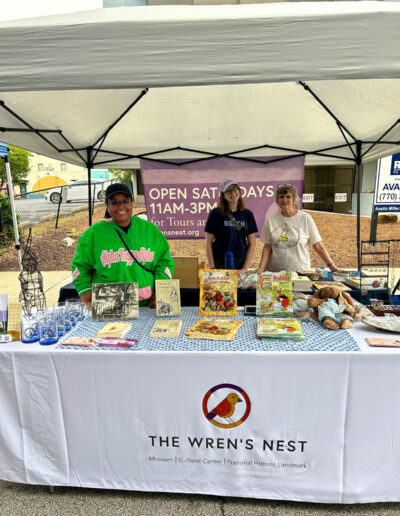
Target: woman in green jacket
[(102, 257)]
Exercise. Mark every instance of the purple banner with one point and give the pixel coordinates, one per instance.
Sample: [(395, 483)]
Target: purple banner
[(179, 198)]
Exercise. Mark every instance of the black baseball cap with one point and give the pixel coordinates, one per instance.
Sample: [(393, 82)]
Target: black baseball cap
[(117, 188)]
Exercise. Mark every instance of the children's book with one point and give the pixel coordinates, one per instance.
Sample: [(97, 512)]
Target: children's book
[(79, 341), (218, 292), (114, 329), (337, 284), (166, 328), (279, 328), (386, 342), (115, 301), (113, 342), (274, 294), (168, 297), (216, 329)]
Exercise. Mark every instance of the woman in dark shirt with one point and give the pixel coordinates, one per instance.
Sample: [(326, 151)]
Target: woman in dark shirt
[(230, 227)]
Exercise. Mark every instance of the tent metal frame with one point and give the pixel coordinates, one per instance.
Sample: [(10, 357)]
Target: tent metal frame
[(90, 153), (5, 158)]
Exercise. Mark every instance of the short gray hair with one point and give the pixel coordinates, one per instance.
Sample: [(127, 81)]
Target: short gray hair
[(287, 188)]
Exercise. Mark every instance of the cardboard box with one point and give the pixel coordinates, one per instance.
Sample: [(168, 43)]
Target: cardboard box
[(187, 271)]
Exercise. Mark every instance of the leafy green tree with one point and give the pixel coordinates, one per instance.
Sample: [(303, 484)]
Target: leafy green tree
[(125, 176), (6, 222), (19, 164)]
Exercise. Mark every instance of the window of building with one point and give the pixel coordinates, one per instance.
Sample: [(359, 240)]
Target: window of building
[(63, 167), (40, 166)]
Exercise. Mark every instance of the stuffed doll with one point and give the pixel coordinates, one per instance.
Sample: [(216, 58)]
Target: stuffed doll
[(334, 308)]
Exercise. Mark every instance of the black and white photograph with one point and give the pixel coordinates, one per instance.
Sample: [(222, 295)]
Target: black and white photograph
[(115, 301)]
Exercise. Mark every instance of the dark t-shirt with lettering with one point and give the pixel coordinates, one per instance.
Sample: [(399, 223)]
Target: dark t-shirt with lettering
[(227, 237)]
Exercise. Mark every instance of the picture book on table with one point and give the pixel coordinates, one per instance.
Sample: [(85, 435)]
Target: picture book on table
[(166, 328), (85, 342), (274, 294), (218, 292), (168, 297), (115, 301), (215, 329), (113, 342), (385, 342), (279, 328), (114, 329)]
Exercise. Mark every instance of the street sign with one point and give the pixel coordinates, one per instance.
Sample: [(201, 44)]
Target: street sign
[(387, 187)]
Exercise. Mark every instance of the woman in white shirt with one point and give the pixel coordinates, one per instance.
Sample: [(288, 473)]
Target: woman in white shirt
[(286, 235)]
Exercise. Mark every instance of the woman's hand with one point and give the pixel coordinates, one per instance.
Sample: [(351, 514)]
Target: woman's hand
[(87, 299), (333, 268), (152, 302), (320, 249), (265, 254), (209, 253)]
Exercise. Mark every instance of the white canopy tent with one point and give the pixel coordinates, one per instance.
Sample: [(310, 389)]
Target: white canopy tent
[(106, 87)]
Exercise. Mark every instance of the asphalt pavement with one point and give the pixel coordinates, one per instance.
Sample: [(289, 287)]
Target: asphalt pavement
[(33, 210), (28, 500)]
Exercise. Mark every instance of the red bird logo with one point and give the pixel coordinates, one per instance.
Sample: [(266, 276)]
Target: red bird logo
[(225, 408)]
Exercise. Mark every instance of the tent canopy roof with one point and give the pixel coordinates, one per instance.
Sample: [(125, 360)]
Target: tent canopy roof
[(220, 78)]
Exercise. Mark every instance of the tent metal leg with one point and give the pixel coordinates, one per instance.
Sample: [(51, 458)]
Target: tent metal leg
[(358, 161), (13, 211)]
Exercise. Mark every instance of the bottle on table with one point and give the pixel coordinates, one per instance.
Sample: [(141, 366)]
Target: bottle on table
[(229, 260)]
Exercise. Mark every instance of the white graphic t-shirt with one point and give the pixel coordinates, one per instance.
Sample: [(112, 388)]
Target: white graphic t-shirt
[(289, 237)]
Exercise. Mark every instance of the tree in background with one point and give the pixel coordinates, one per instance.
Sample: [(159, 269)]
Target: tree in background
[(125, 176), (19, 164), (6, 222)]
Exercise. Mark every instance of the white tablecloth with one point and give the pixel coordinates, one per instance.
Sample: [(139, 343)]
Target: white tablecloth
[(322, 427)]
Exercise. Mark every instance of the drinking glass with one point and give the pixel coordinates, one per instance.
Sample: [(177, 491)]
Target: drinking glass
[(60, 320), (29, 329), (48, 333), (75, 308), (63, 308), (50, 312)]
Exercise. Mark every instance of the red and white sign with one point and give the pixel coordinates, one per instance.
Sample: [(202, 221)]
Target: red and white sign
[(340, 197), (308, 197)]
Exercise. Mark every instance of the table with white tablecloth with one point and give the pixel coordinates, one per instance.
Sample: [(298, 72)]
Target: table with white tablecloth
[(306, 424)]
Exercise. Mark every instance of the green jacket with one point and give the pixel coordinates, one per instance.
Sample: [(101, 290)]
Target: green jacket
[(101, 257)]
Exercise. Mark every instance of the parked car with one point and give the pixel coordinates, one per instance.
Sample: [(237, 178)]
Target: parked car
[(78, 191)]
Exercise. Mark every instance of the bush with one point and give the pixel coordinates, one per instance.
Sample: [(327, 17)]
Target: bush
[(6, 222)]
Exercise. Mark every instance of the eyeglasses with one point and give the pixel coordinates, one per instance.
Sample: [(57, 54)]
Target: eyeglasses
[(230, 190), (118, 203)]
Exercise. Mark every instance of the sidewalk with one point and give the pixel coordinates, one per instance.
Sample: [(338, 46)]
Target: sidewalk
[(52, 282)]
